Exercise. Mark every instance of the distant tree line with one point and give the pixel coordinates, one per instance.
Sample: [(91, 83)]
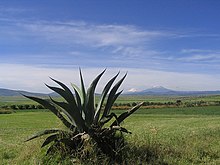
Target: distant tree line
[(126, 105), (22, 106), (177, 103)]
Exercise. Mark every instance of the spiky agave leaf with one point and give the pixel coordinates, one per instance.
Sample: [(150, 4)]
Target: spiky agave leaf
[(64, 146), (80, 109), (112, 97), (58, 136), (61, 110), (90, 103), (82, 88), (126, 114), (70, 106), (121, 129), (79, 97), (50, 139), (107, 118), (102, 98), (41, 133), (53, 109)]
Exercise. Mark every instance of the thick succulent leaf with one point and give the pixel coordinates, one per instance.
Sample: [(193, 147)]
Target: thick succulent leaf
[(102, 98), (82, 90), (52, 108), (76, 88), (72, 109), (79, 97), (110, 106), (112, 97), (107, 118), (60, 135), (90, 104), (126, 114), (51, 148), (62, 92), (122, 129), (50, 139), (57, 90), (41, 133), (125, 130), (67, 109), (63, 142), (65, 92), (63, 108)]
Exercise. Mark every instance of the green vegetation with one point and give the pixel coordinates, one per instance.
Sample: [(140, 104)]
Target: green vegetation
[(123, 102), (162, 99), (85, 122), (159, 136), (5, 111), (197, 111), (14, 100)]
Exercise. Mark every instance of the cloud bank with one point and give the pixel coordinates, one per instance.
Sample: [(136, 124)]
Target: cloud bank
[(35, 50), (31, 78)]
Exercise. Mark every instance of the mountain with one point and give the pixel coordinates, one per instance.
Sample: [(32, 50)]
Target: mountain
[(9, 92), (160, 91), (155, 91)]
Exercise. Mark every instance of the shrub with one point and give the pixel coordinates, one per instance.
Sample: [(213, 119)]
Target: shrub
[(134, 104), (39, 106), (85, 122), (14, 107), (5, 111), (21, 107)]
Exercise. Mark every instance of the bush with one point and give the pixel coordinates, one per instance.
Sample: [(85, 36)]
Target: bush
[(14, 107), (85, 122), (5, 111)]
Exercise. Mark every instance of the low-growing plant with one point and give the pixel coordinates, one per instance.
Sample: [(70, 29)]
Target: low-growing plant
[(5, 111), (86, 123)]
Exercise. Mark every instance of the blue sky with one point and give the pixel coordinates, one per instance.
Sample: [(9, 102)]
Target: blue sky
[(167, 43)]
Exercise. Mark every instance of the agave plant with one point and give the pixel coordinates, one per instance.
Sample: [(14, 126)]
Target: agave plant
[(84, 119)]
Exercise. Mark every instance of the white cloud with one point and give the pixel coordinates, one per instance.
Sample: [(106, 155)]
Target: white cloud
[(199, 51), (96, 35), (12, 10), (62, 44), (200, 55), (133, 90), (144, 78), (33, 78), (118, 40), (24, 77), (122, 42)]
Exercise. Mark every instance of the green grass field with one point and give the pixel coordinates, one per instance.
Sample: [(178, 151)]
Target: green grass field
[(125, 98), (122, 99), (159, 136)]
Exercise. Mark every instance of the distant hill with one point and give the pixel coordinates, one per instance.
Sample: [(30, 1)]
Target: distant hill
[(160, 91), (9, 92), (155, 91)]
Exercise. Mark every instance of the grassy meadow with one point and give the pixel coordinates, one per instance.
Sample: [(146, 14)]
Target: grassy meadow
[(185, 135)]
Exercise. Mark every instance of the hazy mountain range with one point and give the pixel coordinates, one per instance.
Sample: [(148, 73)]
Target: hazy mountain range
[(157, 91), (9, 92)]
